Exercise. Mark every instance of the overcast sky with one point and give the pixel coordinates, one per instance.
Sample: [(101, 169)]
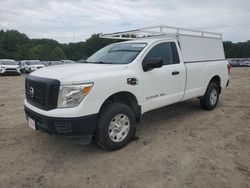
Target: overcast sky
[(75, 20)]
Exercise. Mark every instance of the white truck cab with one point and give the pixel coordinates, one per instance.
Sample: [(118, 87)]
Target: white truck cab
[(103, 98)]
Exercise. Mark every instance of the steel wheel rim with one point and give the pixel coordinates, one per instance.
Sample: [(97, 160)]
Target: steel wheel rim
[(213, 96), (119, 128)]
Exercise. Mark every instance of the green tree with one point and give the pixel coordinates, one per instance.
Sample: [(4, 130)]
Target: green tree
[(9, 42), (75, 51), (2, 47), (95, 43), (35, 51), (237, 50), (57, 54)]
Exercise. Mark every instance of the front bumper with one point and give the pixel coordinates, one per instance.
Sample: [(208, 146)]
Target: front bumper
[(10, 71), (77, 126)]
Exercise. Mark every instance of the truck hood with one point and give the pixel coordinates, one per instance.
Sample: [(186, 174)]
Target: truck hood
[(70, 73)]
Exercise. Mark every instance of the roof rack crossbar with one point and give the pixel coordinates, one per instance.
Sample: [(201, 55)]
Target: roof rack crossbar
[(160, 30)]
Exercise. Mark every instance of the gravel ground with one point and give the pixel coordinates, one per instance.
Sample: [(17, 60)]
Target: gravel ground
[(178, 146)]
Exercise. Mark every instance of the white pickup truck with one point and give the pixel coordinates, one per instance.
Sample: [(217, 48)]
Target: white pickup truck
[(103, 98)]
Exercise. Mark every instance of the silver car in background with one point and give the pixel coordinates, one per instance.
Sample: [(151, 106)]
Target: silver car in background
[(32, 65), (66, 61), (53, 63)]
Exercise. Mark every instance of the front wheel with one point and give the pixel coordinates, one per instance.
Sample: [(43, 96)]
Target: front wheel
[(210, 100), (116, 126)]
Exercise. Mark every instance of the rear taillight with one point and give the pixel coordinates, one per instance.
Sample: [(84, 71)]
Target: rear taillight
[(229, 68)]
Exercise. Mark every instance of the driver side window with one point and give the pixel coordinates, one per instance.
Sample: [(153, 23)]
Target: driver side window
[(165, 51)]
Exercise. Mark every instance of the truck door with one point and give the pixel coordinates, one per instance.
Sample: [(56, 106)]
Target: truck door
[(164, 85)]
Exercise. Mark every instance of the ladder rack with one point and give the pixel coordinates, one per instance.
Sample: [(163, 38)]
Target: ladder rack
[(159, 31)]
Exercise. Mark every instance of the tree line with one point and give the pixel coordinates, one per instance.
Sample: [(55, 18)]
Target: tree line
[(16, 45), (237, 50)]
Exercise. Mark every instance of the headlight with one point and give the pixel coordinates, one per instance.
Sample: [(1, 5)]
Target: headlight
[(72, 95)]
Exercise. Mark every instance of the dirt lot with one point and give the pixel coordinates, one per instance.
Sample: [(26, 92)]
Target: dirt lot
[(178, 146)]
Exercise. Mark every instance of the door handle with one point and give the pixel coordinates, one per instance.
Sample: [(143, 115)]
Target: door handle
[(175, 72)]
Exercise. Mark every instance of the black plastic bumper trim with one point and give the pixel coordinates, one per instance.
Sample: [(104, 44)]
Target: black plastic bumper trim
[(85, 125)]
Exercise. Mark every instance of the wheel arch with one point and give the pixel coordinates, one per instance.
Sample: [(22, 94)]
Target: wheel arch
[(127, 98), (216, 79)]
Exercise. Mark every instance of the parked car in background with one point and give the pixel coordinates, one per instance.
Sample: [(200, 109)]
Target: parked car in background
[(45, 63), (65, 61), (22, 64), (9, 66), (240, 62), (82, 61), (53, 63), (32, 65)]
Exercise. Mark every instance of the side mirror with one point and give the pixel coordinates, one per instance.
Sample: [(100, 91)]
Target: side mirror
[(149, 64)]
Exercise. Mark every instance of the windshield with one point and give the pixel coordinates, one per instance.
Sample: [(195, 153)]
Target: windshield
[(122, 53), (8, 62)]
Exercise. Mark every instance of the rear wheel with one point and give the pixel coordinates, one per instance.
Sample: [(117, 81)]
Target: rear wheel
[(116, 126), (210, 100)]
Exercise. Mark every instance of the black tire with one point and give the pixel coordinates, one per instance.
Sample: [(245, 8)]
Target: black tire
[(205, 101), (106, 116)]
